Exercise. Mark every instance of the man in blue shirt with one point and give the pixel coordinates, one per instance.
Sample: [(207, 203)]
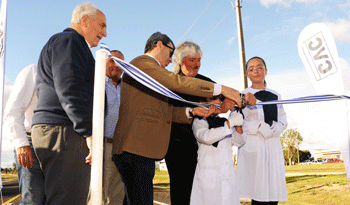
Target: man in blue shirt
[(113, 186)]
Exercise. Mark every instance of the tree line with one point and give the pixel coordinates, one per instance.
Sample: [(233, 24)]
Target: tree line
[(291, 140)]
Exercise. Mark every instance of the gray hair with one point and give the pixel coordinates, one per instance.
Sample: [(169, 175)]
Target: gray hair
[(86, 8), (187, 48)]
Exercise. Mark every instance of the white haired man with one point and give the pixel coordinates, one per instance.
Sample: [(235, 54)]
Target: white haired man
[(183, 146), (62, 121)]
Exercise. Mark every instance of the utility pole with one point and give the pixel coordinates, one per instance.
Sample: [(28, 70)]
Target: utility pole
[(241, 44)]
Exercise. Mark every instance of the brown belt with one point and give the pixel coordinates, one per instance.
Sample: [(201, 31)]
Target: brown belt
[(109, 140)]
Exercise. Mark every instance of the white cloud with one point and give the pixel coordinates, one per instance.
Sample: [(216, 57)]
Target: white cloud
[(340, 30), (284, 3), (230, 41), (267, 3)]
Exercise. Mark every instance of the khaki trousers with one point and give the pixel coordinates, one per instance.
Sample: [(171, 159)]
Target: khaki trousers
[(113, 187), (61, 153)]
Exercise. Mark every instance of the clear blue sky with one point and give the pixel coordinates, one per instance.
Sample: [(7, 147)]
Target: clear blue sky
[(271, 30)]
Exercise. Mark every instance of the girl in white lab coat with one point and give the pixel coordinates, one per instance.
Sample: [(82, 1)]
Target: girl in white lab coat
[(214, 180), (260, 165)]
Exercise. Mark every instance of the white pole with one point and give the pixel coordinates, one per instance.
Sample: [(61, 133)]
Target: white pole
[(98, 127), (241, 45)]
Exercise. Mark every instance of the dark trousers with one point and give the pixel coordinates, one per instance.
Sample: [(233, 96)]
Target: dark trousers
[(137, 173), (181, 161), (265, 202), (61, 153)]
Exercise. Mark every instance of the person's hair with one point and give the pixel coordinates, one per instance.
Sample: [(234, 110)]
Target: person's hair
[(86, 8), (187, 48), (256, 57), (153, 40), (117, 51)]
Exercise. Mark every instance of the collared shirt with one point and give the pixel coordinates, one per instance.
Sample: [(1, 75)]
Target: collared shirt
[(112, 111), (88, 45), (153, 58), (20, 106)]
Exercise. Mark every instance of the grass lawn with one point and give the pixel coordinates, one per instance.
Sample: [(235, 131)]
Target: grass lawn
[(317, 189), (9, 177), (161, 179), (304, 189), (316, 168)]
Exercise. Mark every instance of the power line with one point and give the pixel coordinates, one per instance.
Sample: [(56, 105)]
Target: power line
[(195, 22), (216, 26)]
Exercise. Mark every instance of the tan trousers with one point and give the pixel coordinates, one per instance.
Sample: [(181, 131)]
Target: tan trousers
[(61, 153), (113, 187)]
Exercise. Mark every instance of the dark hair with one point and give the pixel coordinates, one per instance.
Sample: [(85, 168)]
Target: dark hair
[(256, 57), (246, 65), (117, 51), (153, 40)]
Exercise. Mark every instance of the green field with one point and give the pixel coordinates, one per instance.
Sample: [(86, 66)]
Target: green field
[(316, 168), (306, 184), (9, 177)]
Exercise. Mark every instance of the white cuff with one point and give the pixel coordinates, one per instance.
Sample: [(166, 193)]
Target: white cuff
[(217, 89), (188, 113), (20, 142), (265, 130)]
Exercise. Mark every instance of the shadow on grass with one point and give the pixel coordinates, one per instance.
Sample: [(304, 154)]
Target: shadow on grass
[(161, 185), (312, 188), (302, 178)]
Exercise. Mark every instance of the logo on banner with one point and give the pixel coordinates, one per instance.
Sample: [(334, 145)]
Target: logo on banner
[(319, 56)]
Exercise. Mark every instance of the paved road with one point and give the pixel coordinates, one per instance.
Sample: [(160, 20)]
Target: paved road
[(10, 192), (10, 195)]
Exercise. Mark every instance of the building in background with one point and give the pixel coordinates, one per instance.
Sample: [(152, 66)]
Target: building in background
[(326, 154)]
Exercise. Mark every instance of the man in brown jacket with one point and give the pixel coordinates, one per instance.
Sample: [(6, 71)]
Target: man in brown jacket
[(145, 116)]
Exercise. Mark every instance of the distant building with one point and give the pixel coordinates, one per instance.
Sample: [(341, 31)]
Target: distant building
[(162, 165), (327, 153)]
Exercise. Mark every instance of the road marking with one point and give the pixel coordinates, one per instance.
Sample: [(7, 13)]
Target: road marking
[(157, 202), (14, 198)]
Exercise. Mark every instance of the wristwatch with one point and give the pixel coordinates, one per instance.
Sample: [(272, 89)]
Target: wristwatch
[(190, 111)]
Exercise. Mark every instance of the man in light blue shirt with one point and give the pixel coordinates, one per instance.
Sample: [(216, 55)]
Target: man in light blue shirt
[(113, 186)]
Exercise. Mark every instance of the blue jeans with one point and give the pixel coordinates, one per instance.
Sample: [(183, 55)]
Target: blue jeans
[(31, 181)]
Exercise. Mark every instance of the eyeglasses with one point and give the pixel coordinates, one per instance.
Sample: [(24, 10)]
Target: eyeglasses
[(258, 69), (172, 50)]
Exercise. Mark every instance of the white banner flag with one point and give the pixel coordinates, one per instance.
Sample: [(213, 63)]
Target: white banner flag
[(3, 20), (319, 54)]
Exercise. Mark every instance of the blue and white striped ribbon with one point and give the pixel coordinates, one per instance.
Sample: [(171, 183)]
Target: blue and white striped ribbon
[(146, 80), (315, 98), (149, 82)]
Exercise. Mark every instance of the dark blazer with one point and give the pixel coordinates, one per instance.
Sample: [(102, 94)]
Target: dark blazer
[(145, 116)]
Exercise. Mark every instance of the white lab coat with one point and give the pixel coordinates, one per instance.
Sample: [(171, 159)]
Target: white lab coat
[(214, 180), (260, 165)]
